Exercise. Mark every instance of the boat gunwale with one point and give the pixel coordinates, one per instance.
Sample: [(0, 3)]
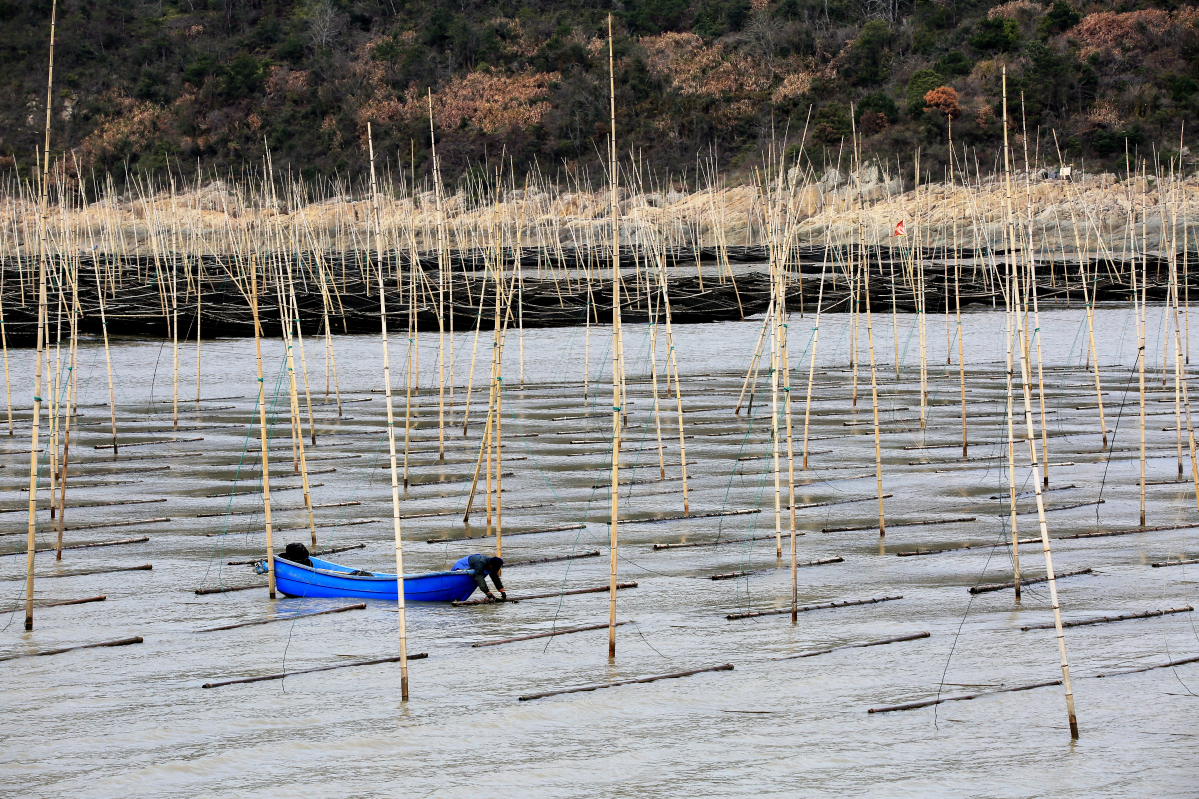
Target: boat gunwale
[(364, 578)]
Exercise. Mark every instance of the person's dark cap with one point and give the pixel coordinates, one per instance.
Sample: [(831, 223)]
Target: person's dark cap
[(495, 564)]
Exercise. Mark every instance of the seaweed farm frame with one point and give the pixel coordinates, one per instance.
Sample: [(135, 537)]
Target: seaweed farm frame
[(803, 464)]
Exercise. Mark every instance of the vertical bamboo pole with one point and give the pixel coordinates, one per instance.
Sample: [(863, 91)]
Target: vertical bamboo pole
[(293, 396), (174, 322), (1012, 317), (807, 414), (72, 386), (41, 334), (1180, 367), (4, 339), (775, 330), (1026, 380), (413, 265), (957, 293), (673, 365), (1092, 353), (1031, 287), (263, 430), (1172, 302), (1141, 337), (199, 308), (616, 426), (878, 458), (753, 364), (295, 307), (653, 366), (52, 389), (443, 266), (391, 435), (112, 404)]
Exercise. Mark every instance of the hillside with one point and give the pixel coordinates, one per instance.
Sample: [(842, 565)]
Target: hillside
[(186, 82)]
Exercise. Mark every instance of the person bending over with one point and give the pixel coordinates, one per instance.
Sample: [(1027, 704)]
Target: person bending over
[(481, 567)]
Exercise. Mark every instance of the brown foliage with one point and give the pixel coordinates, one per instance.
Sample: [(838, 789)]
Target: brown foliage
[(873, 122), (944, 100), (132, 128), (698, 70), (1110, 32)]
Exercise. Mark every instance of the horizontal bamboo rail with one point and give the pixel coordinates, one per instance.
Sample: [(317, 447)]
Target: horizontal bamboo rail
[(293, 617), (655, 678), (285, 674), (137, 639), (899, 639), (603, 626), (805, 608)]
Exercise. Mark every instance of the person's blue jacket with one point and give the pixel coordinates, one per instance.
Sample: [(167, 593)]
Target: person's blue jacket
[(477, 565)]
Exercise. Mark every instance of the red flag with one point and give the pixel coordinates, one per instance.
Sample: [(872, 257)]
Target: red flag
[(899, 231)]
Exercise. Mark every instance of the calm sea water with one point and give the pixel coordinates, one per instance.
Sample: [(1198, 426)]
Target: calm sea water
[(134, 721)]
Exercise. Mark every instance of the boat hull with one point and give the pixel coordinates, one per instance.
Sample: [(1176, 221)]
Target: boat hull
[(327, 579)]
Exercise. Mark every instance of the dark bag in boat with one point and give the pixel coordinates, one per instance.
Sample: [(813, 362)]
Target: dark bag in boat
[(297, 553)]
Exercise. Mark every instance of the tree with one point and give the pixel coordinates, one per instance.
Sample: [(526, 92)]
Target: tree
[(921, 83), (243, 77), (879, 104), (954, 63), (943, 100), (869, 59), (1058, 19), (324, 23), (996, 33), (831, 123), (654, 16)]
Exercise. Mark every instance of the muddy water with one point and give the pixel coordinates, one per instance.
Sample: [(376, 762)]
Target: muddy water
[(134, 721)]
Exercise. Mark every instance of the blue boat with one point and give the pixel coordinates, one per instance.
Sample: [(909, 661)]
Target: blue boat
[(327, 579)]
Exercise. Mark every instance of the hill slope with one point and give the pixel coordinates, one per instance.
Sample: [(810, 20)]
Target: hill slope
[(182, 82)]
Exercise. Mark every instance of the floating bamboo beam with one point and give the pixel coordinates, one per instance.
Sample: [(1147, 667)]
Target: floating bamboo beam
[(824, 606), (292, 617), (884, 641), (655, 678), (285, 674), (603, 626), (136, 639), (1149, 614)]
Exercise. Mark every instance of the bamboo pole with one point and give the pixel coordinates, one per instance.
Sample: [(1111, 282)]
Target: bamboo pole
[(4, 337), (295, 309), (263, 430), (1180, 368), (72, 386), (957, 294), (391, 437), (878, 461), (199, 308), (41, 333), (616, 393), (807, 414), (443, 267), (294, 403), (174, 323), (1032, 447), (1141, 334), (653, 373), (775, 331), (1093, 353), (1012, 321)]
